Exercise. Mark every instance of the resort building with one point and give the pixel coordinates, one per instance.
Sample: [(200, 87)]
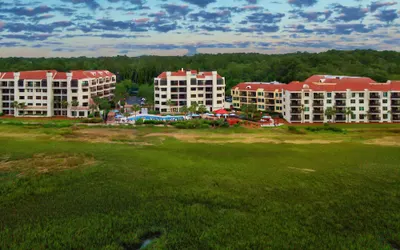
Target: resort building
[(353, 99), (52, 93), (267, 96), (185, 87)]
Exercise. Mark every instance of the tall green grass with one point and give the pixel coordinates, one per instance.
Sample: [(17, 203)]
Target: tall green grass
[(198, 196)]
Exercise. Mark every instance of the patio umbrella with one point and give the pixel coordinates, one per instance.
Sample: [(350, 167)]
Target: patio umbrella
[(221, 112)]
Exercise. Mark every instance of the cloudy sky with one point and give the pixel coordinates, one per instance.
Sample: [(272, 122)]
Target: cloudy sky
[(51, 28)]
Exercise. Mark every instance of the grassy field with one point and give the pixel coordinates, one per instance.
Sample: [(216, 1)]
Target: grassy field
[(111, 188)]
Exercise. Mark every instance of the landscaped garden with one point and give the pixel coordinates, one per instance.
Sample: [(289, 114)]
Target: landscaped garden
[(79, 187)]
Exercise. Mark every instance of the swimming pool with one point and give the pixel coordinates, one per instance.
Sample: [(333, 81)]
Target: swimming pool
[(157, 118)]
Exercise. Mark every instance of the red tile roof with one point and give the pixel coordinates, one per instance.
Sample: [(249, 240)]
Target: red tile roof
[(42, 74), (183, 73), (254, 86)]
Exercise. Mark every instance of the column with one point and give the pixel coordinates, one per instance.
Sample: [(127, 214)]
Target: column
[(214, 88), (69, 93), (16, 91)]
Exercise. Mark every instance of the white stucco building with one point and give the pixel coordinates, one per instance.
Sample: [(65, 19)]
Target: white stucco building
[(185, 87), (44, 92), (369, 101)]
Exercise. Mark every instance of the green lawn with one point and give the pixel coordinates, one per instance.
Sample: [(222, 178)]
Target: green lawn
[(197, 196)]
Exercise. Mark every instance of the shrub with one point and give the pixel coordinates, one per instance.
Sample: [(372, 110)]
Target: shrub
[(153, 122), (92, 120), (139, 122), (294, 130), (90, 116), (326, 127), (1, 113)]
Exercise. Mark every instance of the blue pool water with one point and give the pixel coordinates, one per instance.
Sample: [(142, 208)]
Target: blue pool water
[(156, 118)]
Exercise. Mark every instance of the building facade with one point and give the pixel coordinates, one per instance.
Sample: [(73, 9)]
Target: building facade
[(266, 96), (52, 93), (353, 99), (185, 87)]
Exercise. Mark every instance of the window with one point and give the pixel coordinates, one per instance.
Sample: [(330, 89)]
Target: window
[(193, 89), (74, 98), (353, 108), (305, 94), (201, 95), (22, 97), (81, 113), (361, 101), (361, 108), (307, 117), (329, 95), (385, 116), (353, 116), (164, 96), (361, 95), (73, 113), (385, 108), (44, 90), (362, 117), (38, 97), (74, 91), (193, 96), (353, 101), (353, 95), (85, 97), (329, 101), (38, 104), (306, 101), (30, 97), (384, 100), (385, 94), (306, 109), (38, 90), (44, 98)]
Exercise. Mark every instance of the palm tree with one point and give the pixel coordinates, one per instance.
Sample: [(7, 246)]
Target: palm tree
[(389, 112), (193, 109), (22, 106), (302, 109), (348, 113), (245, 109), (15, 106), (202, 109), (184, 110), (330, 112), (170, 103), (74, 103), (135, 109)]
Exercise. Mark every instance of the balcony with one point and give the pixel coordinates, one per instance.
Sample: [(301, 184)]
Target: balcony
[(252, 94), (396, 118), (395, 95), (340, 118), (295, 118), (374, 96), (340, 96), (243, 100), (318, 118), (318, 96), (295, 111), (295, 96), (340, 103), (244, 94), (270, 96), (295, 103), (318, 111), (374, 110), (271, 102), (396, 103), (375, 118), (340, 110), (318, 103), (374, 103)]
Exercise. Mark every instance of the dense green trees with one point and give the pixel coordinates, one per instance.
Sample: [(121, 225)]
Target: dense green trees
[(379, 65)]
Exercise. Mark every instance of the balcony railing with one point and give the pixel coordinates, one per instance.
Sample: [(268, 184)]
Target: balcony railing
[(318, 103), (396, 110), (375, 118), (340, 103), (318, 111), (374, 103), (295, 96), (395, 103), (295, 118), (295, 111), (340, 110), (374, 96), (318, 96), (340, 96), (396, 95), (295, 103), (374, 110)]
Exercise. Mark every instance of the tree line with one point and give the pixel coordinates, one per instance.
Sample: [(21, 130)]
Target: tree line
[(238, 67)]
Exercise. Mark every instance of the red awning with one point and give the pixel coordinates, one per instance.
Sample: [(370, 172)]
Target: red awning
[(221, 112)]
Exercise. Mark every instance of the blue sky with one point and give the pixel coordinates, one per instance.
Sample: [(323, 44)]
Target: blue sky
[(68, 28)]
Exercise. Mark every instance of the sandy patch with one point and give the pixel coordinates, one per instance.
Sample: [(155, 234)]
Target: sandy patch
[(236, 138), (42, 163), (304, 170), (385, 141)]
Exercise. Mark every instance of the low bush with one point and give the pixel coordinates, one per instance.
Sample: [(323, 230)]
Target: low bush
[(153, 122), (1, 113), (92, 120), (91, 116), (193, 124), (294, 130), (326, 127), (139, 122)]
